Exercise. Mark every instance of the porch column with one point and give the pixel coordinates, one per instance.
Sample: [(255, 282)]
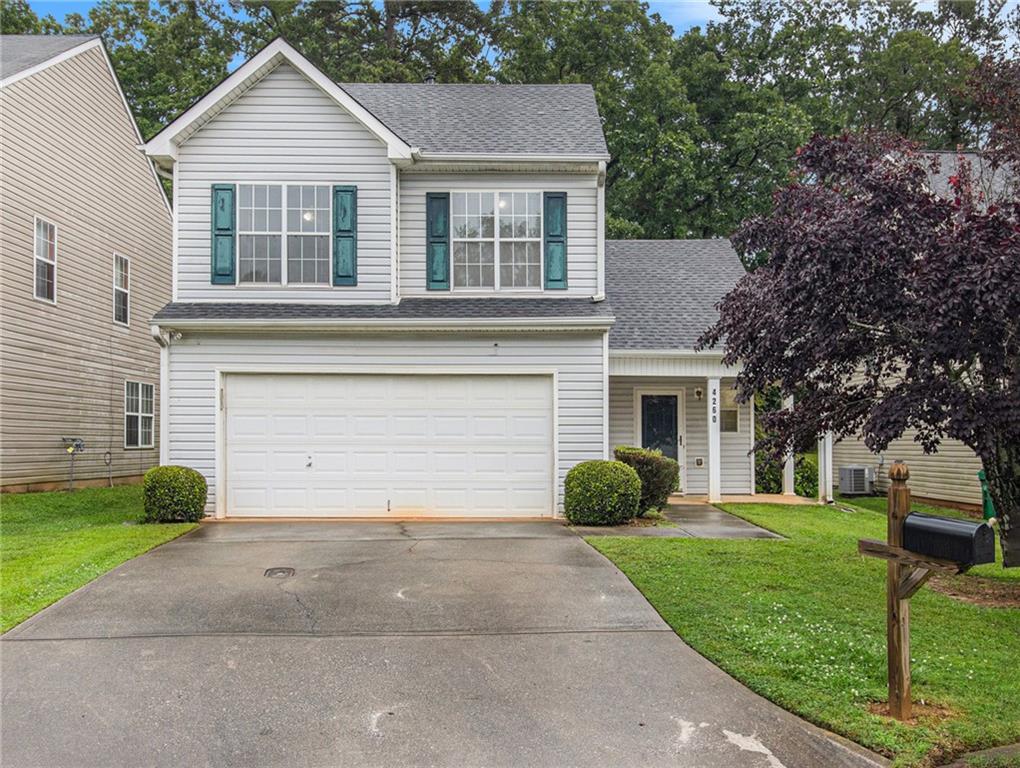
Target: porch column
[(825, 495), (714, 450), (789, 488)]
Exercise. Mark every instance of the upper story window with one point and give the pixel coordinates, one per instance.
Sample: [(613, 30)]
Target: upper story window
[(497, 240), (283, 246), (139, 412), (45, 260), (121, 288)]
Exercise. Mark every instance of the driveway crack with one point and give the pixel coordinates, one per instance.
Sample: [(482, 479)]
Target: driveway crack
[(309, 613)]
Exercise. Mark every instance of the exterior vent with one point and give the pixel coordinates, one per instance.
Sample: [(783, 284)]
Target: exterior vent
[(855, 480)]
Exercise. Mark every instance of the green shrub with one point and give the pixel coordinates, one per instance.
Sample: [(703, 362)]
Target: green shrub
[(173, 495), (768, 475), (601, 493), (660, 475)]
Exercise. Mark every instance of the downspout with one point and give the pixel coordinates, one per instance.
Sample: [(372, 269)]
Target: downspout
[(163, 338)]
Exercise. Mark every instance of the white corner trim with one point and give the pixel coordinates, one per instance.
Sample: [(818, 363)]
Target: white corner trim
[(600, 235), (69, 53), (164, 143)]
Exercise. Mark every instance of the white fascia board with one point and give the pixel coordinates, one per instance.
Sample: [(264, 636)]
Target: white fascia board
[(519, 157), (669, 353), (69, 53), (163, 144), (426, 324)]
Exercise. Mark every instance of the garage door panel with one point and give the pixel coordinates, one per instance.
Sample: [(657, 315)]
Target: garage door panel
[(389, 445)]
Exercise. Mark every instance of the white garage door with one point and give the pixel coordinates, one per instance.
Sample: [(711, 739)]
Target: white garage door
[(388, 445)]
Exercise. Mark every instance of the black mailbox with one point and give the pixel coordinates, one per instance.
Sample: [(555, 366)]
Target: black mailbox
[(949, 539)]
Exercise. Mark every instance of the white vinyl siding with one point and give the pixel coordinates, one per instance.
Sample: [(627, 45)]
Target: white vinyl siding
[(949, 475), (735, 461), (582, 220), (284, 130), (577, 359)]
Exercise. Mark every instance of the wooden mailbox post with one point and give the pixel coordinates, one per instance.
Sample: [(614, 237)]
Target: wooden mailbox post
[(907, 572)]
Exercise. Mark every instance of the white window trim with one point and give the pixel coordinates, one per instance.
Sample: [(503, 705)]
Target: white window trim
[(139, 413), (735, 407), (116, 288), (35, 258), (283, 236), (540, 288)]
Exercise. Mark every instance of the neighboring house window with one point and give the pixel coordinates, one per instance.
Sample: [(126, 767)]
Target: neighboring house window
[(121, 288), (138, 414), (279, 250), (45, 260), (489, 223), (729, 412)]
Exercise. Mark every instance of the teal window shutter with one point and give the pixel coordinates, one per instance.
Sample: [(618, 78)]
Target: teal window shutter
[(555, 208), (345, 235), (437, 240), (224, 235)]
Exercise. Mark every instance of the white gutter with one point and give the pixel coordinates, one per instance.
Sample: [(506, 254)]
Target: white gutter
[(426, 324), (673, 353), (522, 157)]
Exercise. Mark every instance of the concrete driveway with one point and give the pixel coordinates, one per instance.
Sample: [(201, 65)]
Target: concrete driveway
[(391, 644)]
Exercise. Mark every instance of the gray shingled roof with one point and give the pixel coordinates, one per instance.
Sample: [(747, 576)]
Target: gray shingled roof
[(20, 52), (495, 119), (664, 292), (407, 309)]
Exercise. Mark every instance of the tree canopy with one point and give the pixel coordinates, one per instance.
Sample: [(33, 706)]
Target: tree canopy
[(701, 126)]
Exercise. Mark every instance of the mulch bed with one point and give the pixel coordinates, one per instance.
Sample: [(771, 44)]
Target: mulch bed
[(974, 589)]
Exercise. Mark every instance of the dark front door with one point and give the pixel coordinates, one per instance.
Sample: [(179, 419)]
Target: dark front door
[(659, 424)]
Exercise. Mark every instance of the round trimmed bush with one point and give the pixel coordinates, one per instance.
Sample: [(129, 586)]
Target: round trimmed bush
[(660, 475), (174, 495), (601, 493)]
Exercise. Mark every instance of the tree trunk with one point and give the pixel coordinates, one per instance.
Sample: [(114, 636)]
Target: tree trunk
[(1003, 471)]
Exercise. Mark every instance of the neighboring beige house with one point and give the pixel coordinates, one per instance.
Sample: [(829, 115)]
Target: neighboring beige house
[(85, 238), (949, 476)]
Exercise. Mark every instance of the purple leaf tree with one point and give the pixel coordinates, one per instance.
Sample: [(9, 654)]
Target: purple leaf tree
[(885, 306)]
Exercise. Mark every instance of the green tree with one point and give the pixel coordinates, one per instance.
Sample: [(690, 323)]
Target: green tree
[(357, 40), (166, 54), (18, 18)]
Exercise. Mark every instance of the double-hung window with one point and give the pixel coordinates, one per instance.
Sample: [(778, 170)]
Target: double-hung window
[(729, 412), (45, 260), (497, 240), (138, 414), (121, 288), (283, 234)]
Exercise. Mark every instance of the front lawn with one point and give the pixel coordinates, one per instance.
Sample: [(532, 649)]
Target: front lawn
[(53, 543), (802, 622)]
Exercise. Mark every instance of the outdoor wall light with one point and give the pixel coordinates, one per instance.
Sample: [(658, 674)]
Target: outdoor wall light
[(699, 393)]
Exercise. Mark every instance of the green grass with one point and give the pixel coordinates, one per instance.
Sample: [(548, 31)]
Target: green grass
[(802, 622), (53, 543)]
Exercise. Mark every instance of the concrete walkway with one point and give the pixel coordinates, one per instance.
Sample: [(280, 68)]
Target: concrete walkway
[(686, 520), (390, 644)]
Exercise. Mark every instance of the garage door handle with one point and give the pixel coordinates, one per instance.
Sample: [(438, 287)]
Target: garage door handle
[(309, 464)]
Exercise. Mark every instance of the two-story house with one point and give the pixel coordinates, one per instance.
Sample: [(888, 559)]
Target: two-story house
[(85, 261), (397, 299)]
